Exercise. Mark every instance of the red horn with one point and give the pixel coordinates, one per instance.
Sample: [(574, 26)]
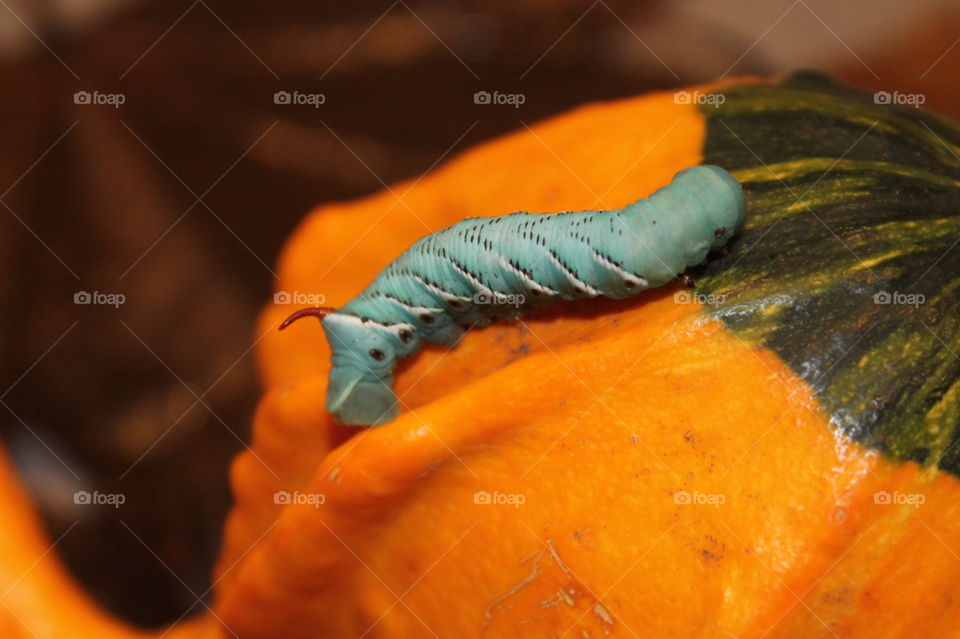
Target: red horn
[(317, 311)]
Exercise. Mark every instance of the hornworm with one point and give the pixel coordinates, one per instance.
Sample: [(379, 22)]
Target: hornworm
[(481, 269)]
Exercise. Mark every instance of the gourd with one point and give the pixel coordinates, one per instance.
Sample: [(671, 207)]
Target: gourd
[(771, 453)]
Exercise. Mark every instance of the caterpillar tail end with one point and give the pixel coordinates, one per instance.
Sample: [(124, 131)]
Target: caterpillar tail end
[(735, 190), (722, 198)]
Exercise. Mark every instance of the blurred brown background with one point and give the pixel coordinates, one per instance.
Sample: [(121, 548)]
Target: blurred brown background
[(179, 200)]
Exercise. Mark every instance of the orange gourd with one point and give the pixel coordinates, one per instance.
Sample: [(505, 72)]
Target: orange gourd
[(632, 468)]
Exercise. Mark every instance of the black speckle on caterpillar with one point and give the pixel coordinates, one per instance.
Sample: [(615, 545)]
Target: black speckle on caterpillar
[(469, 274)]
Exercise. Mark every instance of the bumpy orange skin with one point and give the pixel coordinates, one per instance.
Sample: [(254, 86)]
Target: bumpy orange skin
[(602, 417), (675, 480)]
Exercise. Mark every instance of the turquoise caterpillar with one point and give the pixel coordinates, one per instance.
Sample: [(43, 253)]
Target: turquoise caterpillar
[(483, 269)]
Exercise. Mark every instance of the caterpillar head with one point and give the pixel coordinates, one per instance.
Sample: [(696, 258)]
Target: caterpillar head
[(365, 352)]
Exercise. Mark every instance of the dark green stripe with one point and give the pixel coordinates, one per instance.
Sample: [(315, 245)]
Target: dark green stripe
[(848, 201)]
